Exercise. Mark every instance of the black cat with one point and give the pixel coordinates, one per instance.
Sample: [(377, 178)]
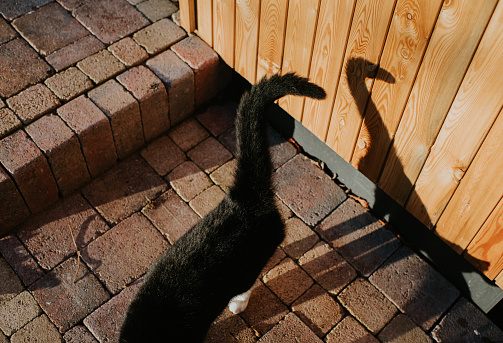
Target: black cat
[(221, 256)]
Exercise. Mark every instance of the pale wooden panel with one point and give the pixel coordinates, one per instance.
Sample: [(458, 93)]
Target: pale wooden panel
[(488, 245), (366, 41), (299, 39), (205, 20), (247, 21), (411, 27), (332, 33), (499, 280), (271, 37), (449, 52), (188, 15), (223, 29), (477, 194), (470, 117)]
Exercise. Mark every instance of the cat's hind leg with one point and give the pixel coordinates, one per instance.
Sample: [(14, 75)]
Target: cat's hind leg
[(239, 302)]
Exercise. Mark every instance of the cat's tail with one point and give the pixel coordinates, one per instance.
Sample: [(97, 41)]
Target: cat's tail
[(253, 173)]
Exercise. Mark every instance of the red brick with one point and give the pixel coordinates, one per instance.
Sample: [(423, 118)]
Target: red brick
[(290, 329), (218, 119), (69, 293), (224, 175), (39, 329), (13, 210), (9, 282), (124, 114), (11, 10), (209, 155), (284, 211), (30, 170), (128, 52), (101, 66), (188, 180), (150, 92), (6, 32), (205, 202), (349, 330), (228, 139), (69, 83), (230, 328), (159, 36), (275, 259), (188, 134), (71, 4), (205, 63), (9, 122), (157, 9), (17, 312), (163, 155), (74, 52), (79, 334), (62, 149), (94, 132), (134, 240), (299, 238), (33, 102), (20, 260), (280, 149), (404, 329)]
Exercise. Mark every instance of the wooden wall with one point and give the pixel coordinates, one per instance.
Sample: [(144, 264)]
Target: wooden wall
[(415, 96)]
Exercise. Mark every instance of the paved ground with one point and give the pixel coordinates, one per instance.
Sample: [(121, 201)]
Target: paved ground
[(70, 269)]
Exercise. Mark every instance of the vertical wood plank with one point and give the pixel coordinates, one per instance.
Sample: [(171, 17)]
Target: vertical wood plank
[(410, 30), (188, 15), (332, 33), (299, 38), (271, 37), (247, 26), (366, 41), (449, 52), (499, 280), (470, 117), (223, 29), (205, 21)]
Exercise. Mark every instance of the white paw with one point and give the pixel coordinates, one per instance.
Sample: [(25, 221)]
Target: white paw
[(239, 302)]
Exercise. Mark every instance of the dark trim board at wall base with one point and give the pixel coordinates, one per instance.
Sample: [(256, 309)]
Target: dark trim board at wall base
[(471, 282)]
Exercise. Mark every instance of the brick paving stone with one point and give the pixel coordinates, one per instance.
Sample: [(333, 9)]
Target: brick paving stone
[(410, 283), (163, 155), (264, 309), (307, 190), (17, 312), (33, 102), (228, 139), (69, 84), (110, 20), (94, 132), (176, 18), (230, 328), (280, 149), (125, 252), (20, 260), (74, 52), (105, 322), (349, 330), (79, 334), (13, 210), (359, 297), (299, 238), (150, 92), (402, 329), (318, 310), (62, 149), (466, 323), (205, 63), (71, 4), (179, 80), (9, 282), (101, 66), (288, 281), (128, 52), (124, 189), (328, 268), (39, 329), (159, 36), (209, 155), (358, 236), (157, 9), (224, 175), (284, 211), (47, 235), (171, 215), (6, 32), (3, 338), (278, 256), (13, 9), (9, 122), (188, 134), (49, 28), (124, 114), (188, 180), (30, 170), (290, 329), (205, 202), (218, 119), (17, 55)]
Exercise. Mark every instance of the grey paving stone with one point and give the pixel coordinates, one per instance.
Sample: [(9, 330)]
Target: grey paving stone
[(157, 9)]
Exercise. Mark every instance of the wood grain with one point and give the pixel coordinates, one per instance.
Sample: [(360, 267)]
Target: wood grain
[(470, 117), (247, 22), (223, 29), (447, 57), (205, 20), (499, 280), (188, 15), (411, 27)]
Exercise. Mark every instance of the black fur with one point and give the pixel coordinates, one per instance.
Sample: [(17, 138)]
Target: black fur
[(222, 256)]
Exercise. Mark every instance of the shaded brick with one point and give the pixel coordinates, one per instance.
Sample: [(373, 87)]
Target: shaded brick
[(17, 312), (13, 9), (205, 202), (349, 330), (6, 31), (224, 175), (171, 215), (71, 4), (280, 149), (128, 52), (299, 238), (74, 52), (188, 180), (33, 102), (13, 210), (159, 36), (9, 282), (63, 152), (163, 155), (134, 240), (3, 338), (409, 282), (20, 260), (307, 190), (284, 211), (290, 329), (218, 119), (402, 329), (8, 122), (230, 328), (228, 139), (157, 9), (79, 334), (209, 155), (124, 189), (69, 83), (275, 259), (49, 28), (358, 236), (124, 114), (29, 168), (17, 55), (39, 329), (101, 66), (179, 80), (42, 233), (94, 132), (110, 20), (153, 98), (188, 134)]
